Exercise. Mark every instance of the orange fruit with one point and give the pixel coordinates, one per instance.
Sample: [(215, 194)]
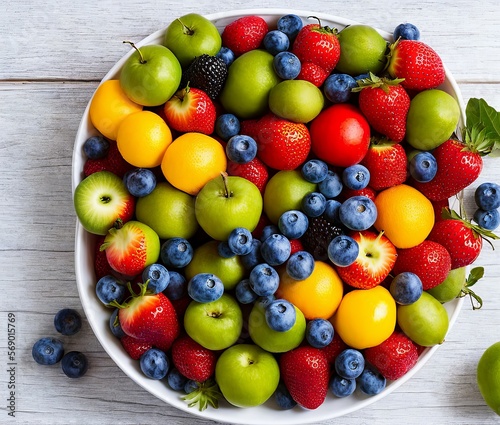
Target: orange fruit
[(192, 160), (109, 106), (317, 296), (143, 138), (365, 317), (405, 215)]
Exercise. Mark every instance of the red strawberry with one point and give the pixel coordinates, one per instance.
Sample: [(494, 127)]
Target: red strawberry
[(461, 238), (438, 209), (385, 105), (318, 45), (250, 128), (381, 157), (313, 73), (416, 62), (393, 357), (459, 165), (244, 34), (101, 265), (192, 360), (151, 318), (255, 171), (430, 261), (134, 347), (368, 191), (332, 350), (296, 245), (305, 372), (113, 162), (375, 260), (190, 109), (282, 144)]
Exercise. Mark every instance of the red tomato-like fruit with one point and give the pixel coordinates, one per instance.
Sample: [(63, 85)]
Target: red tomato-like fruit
[(340, 135)]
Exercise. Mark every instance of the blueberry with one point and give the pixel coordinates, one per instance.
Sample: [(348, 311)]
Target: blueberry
[(293, 224), (224, 251), (154, 364), (205, 287), (227, 55), (47, 351), (356, 177), (108, 289), (342, 387), (488, 220), (265, 301), (140, 182), (114, 324), (314, 204), (244, 292), (406, 288), (176, 380), (287, 65), (227, 126), (254, 257), (276, 41), (74, 364), (338, 87), (487, 196), (331, 213), (361, 77), (319, 333), (358, 213), (264, 280), (241, 148), (423, 167), (300, 265), (176, 252), (157, 277), (283, 398), (240, 241), (67, 321), (314, 170), (276, 249), (269, 230), (96, 147), (343, 250), (371, 381), (190, 386), (290, 24), (280, 315), (177, 286), (349, 363), (406, 31), (331, 186)]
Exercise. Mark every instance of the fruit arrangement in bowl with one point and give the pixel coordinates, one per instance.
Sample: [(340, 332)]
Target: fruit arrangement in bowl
[(264, 214)]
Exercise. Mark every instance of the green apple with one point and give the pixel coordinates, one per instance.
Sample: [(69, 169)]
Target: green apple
[(250, 79), (169, 211), (247, 375), (190, 36), (432, 118), (451, 287), (296, 100), (215, 325), (285, 191), (271, 340), (228, 202), (488, 376), (151, 75), (100, 200), (206, 259)]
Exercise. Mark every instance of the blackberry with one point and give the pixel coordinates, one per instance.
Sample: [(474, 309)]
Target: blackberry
[(318, 236), (207, 73)]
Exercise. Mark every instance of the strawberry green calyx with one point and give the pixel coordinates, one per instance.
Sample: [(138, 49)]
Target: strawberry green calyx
[(482, 131), (322, 29), (206, 393), (476, 140), (449, 214), (143, 291), (374, 81), (475, 274)]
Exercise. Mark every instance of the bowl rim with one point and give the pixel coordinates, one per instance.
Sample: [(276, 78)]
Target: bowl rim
[(83, 263)]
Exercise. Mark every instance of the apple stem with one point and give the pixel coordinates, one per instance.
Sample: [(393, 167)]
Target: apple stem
[(185, 28), (227, 192), (142, 60)]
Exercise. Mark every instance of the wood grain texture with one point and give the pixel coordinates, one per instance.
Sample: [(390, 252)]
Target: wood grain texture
[(53, 57)]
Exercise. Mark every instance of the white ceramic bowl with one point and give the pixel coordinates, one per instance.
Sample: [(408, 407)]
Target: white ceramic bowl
[(98, 315)]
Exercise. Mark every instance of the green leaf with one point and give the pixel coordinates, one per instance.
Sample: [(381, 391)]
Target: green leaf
[(475, 274), (478, 112)]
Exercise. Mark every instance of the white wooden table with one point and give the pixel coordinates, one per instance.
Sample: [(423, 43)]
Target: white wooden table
[(53, 55)]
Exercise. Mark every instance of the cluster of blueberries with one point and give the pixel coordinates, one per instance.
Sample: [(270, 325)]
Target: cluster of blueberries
[(487, 198), (50, 350)]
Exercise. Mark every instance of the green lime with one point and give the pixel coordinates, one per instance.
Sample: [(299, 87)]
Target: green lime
[(362, 50), (450, 288), (425, 321), (488, 376), (168, 211), (249, 81)]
